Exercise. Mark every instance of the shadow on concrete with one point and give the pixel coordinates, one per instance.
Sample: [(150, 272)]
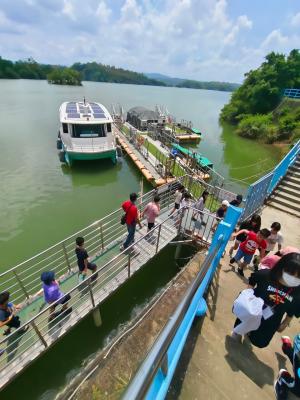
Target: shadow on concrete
[(233, 269), (241, 357), (187, 352), (186, 355), (281, 361), (212, 295)]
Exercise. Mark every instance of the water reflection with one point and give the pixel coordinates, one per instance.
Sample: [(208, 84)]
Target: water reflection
[(92, 172)]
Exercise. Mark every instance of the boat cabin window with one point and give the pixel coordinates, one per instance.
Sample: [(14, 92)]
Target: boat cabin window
[(65, 127), (108, 127), (88, 131)]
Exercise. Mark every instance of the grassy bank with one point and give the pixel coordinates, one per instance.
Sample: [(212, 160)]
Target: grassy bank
[(282, 125)]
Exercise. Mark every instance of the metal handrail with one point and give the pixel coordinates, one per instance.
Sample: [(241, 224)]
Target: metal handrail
[(156, 227), (94, 274), (73, 235), (101, 234), (141, 382), (80, 295)]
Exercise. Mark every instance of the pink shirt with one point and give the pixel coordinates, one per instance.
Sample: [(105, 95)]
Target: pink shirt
[(151, 212)]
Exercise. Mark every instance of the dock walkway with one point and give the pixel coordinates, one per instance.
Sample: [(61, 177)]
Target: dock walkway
[(146, 163), (102, 239)]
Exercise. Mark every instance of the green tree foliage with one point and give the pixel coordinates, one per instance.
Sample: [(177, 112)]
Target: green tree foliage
[(105, 73), (64, 76), (251, 105), (30, 69), (262, 88)]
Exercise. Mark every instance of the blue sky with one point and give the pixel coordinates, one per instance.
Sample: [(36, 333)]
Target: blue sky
[(197, 39)]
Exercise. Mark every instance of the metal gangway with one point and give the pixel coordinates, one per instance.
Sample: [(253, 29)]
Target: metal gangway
[(102, 241)]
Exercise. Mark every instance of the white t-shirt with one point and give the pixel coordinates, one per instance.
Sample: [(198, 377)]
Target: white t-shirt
[(178, 197), (273, 239), (199, 205)]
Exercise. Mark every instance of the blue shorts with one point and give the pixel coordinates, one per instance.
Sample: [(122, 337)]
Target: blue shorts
[(241, 254)]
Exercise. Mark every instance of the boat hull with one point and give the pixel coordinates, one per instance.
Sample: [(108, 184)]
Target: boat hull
[(72, 156)]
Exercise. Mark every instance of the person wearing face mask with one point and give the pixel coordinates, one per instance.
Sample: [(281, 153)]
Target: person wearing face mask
[(280, 290)]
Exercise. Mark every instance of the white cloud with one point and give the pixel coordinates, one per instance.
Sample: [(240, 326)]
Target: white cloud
[(103, 12), (196, 39), (7, 26), (242, 22), (275, 40), (68, 10), (295, 21)]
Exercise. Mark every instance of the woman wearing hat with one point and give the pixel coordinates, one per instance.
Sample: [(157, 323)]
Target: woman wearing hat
[(52, 293)]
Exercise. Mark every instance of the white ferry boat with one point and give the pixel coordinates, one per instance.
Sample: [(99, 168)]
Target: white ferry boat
[(85, 132)]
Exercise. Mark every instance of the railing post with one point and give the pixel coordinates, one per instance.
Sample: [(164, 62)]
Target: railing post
[(66, 256), (165, 365), (129, 263), (158, 237), (180, 221), (101, 235), (21, 284), (91, 293), (37, 331)]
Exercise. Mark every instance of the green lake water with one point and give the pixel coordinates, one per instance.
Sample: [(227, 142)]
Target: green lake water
[(43, 201)]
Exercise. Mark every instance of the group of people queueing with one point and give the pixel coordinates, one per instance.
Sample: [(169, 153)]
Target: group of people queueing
[(272, 298)]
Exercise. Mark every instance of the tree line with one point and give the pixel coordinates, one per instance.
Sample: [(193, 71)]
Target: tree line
[(30, 69), (256, 107), (222, 86), (97, 72)]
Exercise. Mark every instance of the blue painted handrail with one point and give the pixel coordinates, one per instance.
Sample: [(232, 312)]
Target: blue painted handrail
[(155, 374), (281, 169), (260, 190), (292, 93)]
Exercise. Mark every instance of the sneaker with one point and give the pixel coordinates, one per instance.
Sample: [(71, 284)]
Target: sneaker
[(121, 247), (232, 260), (286, 343), (240, 272), (281, 385)]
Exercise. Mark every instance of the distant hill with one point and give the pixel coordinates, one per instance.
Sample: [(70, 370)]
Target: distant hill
[(193, 84), (168, 80), (97, 72)]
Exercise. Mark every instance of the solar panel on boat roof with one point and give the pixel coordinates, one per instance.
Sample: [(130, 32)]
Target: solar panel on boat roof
[(98, 115), (96, 108), (73, 115)]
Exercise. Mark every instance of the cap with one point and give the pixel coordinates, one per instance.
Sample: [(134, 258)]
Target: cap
[(225, 203)]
